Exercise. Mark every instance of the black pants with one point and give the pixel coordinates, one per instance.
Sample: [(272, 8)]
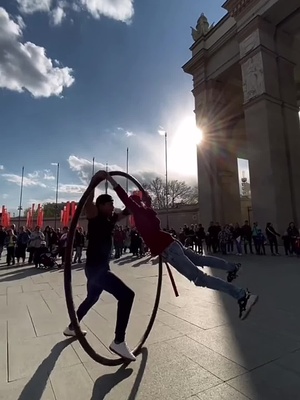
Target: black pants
[(273, 243), (10, 256), (99, 280), (248, 241), (21, 252)]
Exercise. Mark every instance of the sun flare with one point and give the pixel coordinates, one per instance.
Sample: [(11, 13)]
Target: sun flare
[(183, 148)]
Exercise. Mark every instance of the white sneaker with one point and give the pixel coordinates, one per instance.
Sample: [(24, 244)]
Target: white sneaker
[(122, 350), (71, 332)]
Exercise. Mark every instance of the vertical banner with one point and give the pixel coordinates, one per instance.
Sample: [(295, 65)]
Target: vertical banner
[(28, 219), (67, 214), (7, 219), (38, 215), (73, 208), (2, 215)]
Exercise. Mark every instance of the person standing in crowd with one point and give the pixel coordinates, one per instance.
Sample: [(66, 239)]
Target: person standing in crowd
[(10, 243), (78, 245), (118, 241), (35, 240), (293, 234), (62, 244), (272, 238), (2, 239), (22, 242), (247, 237), (237, 235)]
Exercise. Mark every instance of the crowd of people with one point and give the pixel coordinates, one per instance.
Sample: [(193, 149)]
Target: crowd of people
[(29, 246), (236, 239), (36, 246)]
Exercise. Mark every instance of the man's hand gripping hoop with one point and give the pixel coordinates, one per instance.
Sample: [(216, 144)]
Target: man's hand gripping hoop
[(68, 282)]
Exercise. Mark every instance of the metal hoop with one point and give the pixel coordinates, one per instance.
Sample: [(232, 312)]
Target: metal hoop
[(68, 282)]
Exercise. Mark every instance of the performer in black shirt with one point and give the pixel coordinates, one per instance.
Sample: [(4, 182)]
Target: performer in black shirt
[(101, 221)]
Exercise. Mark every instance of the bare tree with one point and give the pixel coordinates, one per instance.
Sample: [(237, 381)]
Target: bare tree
[(178, 193)]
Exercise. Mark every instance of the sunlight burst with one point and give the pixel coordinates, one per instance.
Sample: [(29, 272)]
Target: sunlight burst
[(183, 147)]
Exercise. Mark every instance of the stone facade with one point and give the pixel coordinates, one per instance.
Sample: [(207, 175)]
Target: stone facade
[(246, 71)]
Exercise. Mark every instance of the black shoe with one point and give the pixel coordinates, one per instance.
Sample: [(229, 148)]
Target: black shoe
[(246, 303), (233, 274)]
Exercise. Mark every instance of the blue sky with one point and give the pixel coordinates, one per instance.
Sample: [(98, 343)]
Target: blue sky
[(86, 79)]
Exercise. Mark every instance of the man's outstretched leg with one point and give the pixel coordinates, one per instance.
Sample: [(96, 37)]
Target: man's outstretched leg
[(175, 255), (199, 260)]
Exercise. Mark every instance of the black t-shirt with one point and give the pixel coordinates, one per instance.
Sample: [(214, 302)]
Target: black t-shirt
[(100, 231)]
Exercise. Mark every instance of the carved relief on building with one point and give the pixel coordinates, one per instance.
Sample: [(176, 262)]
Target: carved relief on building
[(253, 77), (249, 44), (236, 7)]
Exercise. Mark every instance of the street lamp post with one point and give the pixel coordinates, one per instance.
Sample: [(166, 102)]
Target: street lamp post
[(165, 133), (167, 189), (21, 198), (56, 195)]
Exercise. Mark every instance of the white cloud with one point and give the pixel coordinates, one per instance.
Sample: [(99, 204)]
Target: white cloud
[(31, 6), (33, 175), (1, 167), (129, 134), (25, 66), (27, 180), (4, 196), (58, 14), (84, 167), (120, 10), (47, 175), (71, 188)]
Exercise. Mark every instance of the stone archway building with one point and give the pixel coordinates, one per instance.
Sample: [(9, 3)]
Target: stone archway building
[(246, 74)]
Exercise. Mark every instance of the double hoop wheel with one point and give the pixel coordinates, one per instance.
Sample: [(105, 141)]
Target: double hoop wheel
[(68, 282)]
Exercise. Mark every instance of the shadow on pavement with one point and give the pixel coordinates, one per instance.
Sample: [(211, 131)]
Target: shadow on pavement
[(22, 273), (264, 343), (105, 383), (143, 261), (36, 385)]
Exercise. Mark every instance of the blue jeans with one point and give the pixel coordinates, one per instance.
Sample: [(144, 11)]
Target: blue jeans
[(186, 262), (100, 278)]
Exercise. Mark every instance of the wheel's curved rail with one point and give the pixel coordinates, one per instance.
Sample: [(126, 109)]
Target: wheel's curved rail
[(68, 282)]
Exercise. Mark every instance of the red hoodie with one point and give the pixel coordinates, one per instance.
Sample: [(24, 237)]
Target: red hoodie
[(147, 224)]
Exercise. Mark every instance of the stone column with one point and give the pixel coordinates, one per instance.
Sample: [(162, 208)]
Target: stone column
[(272, 131), (229, 183), (219, 198)]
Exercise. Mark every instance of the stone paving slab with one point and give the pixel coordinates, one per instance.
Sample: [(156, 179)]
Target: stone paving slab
[(198, 348)]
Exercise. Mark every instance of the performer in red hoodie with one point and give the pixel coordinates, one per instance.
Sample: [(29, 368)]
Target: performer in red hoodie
[(184, 260)]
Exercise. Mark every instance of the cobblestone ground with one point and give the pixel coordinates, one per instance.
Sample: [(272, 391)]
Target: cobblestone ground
[(198, 349)]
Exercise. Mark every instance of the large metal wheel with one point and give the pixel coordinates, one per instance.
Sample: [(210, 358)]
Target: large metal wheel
[(68, 283)]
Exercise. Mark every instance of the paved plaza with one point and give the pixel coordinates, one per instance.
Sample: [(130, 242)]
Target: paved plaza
[(198, 349)]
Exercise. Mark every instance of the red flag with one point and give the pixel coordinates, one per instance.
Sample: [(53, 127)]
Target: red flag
[(2, 215), (73, 208), (28, 219), (67, 214), (8, 219), (41, 218)]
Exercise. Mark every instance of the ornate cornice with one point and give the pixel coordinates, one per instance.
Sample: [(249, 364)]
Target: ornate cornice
[(236, 7)]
